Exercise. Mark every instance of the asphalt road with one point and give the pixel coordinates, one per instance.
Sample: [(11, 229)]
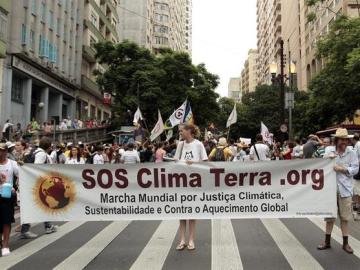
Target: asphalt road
[(221, 244)]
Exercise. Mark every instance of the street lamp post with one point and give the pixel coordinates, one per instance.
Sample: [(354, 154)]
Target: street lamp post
[(280, 79), (287, 99), (290, 96)]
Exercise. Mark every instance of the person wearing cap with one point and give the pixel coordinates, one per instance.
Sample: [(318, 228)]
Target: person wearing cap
[(11, 147), (8, 171), (221, 152), (347, 165)]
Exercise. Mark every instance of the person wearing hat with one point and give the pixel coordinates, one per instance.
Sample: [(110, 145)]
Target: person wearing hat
[(8, 171), (347, 165), (11, 147), (221, 152), (356, 142)]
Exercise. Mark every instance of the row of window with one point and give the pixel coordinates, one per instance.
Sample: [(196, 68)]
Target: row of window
[(161, 17), (161, 40), (161, 6), (161, 29), (46, 49), (50, 17)]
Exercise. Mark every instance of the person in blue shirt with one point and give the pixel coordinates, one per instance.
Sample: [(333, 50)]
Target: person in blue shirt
[(346, 166)]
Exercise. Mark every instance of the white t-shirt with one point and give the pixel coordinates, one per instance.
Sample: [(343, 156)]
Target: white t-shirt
[(130, 157), (98, 159), (74, 161), (41, 157), (263, 151), (6, 125), (10, 169), (194, 151)]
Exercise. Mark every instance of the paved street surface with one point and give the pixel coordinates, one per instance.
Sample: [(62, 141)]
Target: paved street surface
[(221, 244)]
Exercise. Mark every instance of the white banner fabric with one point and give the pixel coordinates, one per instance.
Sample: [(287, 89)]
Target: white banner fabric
[(175, 190)]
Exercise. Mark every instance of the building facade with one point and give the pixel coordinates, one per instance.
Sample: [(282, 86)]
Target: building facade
[(4, 11), (249, 75), (326, 14), (50, 60), (101, 21), (287, 20), (42, 70), (269, 32), (157, 24), (234, 89)]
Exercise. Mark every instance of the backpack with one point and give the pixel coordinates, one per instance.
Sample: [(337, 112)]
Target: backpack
[(219, 154), (30, 158)]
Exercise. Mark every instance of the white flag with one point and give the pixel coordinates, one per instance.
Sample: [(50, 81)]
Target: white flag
[(158, 129), (232, 118), (169, 134), (177, 117), (267, 136), (137, 116)]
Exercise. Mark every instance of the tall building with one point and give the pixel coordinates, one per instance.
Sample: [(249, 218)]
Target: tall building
[(287, 20), (157, 24), (4, 11), (50, 60), (44, 53), (311, 32), (269, 31), (249, 79), (101, 21), (234, 89)]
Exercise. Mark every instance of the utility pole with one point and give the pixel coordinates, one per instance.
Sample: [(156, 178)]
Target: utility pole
[(282, 82)]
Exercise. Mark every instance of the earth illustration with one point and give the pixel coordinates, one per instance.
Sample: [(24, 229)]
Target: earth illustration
[(54, 192)]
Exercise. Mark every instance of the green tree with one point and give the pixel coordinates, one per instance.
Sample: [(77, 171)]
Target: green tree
[(137, 76), (335, 91)]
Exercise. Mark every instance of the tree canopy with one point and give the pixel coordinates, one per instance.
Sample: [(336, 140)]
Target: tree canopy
[(136, 76), (335, 91)]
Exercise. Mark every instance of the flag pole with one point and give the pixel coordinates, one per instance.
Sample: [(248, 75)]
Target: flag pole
[(228, 134)]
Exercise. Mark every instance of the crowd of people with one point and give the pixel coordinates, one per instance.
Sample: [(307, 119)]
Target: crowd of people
[(34, 129), (343, 147)]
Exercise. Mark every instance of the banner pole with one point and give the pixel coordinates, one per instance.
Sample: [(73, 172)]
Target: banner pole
[(228, 134)]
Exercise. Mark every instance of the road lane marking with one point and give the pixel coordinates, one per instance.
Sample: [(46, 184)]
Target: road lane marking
[(295, 253), (155, 252), (85, 254), (224, 253), (337, 235), (34, 246)]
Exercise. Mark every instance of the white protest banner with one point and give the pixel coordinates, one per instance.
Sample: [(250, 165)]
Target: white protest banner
[(245, 140), (232, 117), (267, 136), (138, 116), (178, 115), (158, 129), (175, 190)]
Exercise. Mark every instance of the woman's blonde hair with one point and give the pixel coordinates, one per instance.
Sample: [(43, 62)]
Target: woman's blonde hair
[(194, 130)]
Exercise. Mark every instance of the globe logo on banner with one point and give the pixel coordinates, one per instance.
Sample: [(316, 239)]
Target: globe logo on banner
[(54, 193)]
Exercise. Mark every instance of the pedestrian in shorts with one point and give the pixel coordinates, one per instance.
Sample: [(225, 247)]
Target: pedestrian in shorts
[(347, 165)]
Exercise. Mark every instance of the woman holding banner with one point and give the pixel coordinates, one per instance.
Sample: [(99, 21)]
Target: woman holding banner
[(189, 150)]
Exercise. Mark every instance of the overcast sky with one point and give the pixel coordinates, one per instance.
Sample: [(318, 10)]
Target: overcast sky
[(223, 33)]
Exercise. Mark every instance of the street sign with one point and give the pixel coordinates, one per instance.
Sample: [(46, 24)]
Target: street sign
[(289, 100)]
